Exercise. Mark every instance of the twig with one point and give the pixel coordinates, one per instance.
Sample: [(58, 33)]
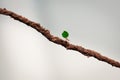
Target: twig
[(57, 40)]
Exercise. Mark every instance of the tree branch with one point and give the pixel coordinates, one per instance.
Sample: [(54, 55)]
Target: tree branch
[(57, 40)]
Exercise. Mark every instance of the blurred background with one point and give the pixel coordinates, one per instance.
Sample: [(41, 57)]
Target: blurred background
[(25, 54)]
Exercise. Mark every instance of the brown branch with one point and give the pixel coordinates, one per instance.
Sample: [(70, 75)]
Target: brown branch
[(57, 40)]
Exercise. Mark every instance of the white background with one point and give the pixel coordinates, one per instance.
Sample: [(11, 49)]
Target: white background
[(25, 54)]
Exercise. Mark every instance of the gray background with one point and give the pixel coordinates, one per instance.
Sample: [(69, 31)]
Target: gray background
[(27, 55)]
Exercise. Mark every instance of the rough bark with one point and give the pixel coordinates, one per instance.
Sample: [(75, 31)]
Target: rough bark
[(57, 40)]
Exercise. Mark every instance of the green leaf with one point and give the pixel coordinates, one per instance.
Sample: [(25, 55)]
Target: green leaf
[(65, 34)]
